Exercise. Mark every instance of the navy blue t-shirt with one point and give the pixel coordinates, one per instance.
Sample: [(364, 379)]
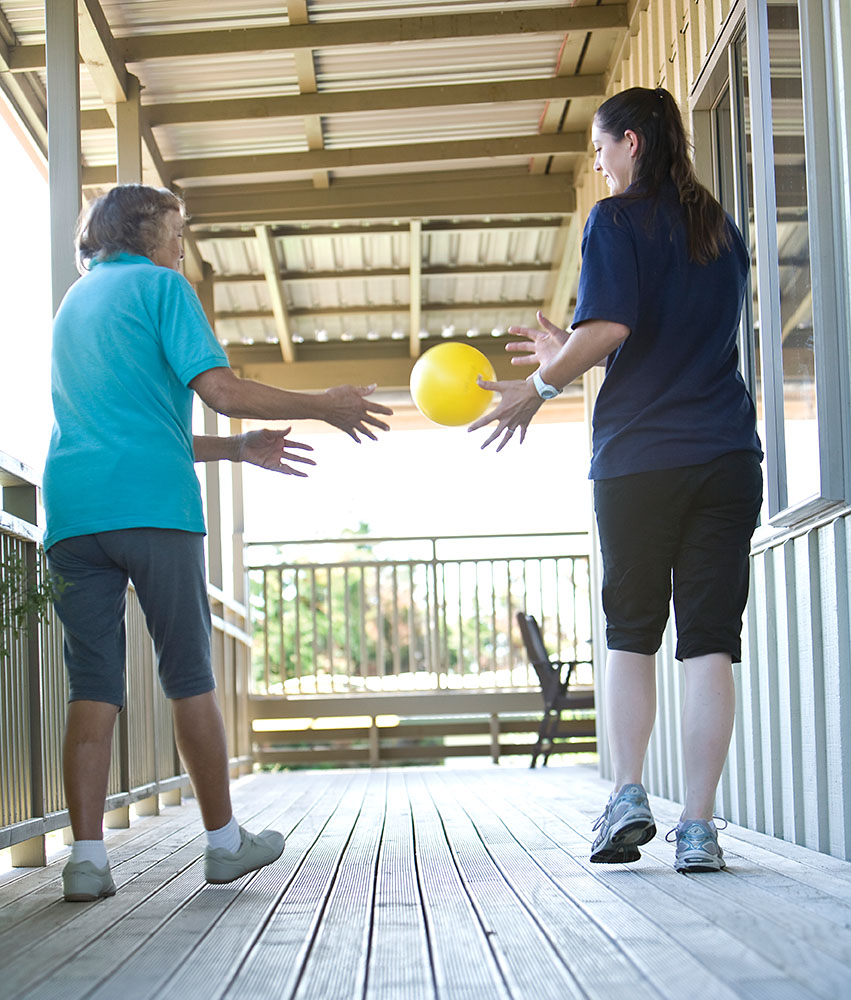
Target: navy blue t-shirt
[(672, 395)]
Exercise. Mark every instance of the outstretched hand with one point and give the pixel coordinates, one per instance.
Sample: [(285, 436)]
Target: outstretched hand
[(271, 450), (348, 409), (540, 346), (519, 403)]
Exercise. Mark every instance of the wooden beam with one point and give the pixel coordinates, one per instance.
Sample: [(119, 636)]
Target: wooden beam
[(309, 231), (336, 34), (415, 286), (99, 51), (393, 308), (292, 277), (375, 31), (565, 274), (355, 101), (358, 101), (271, 268), (361, 156), (333, 364), (449, 194), (128, 136), (27, 103)]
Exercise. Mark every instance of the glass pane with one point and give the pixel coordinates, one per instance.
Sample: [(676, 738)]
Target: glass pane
[(796, 327), (737, 197)]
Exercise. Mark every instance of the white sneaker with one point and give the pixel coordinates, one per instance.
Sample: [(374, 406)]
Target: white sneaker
[(82, 882), (256, 850)]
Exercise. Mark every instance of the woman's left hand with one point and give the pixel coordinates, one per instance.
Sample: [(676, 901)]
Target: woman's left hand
[(520, 402), (271, 450), (541, 345)]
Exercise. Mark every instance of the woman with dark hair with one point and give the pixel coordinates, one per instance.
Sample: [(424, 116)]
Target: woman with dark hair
[(675, 453), (131, 347)]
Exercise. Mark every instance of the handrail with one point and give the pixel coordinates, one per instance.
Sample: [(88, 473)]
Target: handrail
[(370, 540), (33, 695)]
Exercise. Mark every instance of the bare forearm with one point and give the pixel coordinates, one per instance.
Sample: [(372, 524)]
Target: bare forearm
[(244, 398), (588, 345), (343, 406), (215, 449)]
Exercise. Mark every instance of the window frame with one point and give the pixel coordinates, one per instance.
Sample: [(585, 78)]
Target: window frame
[(824, 168)]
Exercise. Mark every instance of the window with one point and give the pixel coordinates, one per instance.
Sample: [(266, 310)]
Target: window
[(768, 104)]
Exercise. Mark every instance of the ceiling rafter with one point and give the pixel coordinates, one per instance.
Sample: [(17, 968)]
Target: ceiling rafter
[(449, 193), (370, 274), (398, 309), (28, 101), (99, 52), (306, 75), (359, 156), (110, 76), (328, 103), (277, 296), (367, 31), (366, 228)]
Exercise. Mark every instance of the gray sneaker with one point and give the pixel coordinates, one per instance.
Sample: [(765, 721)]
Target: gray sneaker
[(697, 846), (256, 850), (82, 882), (626, 823)]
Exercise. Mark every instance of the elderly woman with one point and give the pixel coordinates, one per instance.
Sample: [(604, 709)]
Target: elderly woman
[(131, 347)]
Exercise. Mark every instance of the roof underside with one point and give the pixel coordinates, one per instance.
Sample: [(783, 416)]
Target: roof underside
[(409, 164)]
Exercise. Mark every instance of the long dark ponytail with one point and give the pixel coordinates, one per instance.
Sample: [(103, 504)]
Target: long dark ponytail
[(663, 153)]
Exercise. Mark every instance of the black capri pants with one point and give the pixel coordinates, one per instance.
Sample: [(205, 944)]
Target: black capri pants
[(685, 531)]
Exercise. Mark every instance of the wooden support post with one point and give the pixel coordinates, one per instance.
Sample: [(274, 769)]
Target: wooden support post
[(117, 819), (148, 807), (30, 853), (63, 140), (374, 747), (494, 720), (172, 797), (416, 283)]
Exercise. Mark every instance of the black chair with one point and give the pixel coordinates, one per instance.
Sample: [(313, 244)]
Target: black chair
[(554, 677)]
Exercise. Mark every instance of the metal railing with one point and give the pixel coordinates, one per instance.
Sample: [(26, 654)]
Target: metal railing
[(359, 614), (33, 695), (379, 650)]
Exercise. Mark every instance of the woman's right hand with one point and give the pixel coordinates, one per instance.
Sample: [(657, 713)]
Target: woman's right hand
[(540, 346), (346, 407)]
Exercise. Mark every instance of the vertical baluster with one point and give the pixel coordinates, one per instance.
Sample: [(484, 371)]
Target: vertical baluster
[(362, 620), (329, 604), (397, 651), (297, 630)]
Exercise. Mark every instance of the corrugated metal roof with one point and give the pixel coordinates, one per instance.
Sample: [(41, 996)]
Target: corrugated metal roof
[(489, 246)]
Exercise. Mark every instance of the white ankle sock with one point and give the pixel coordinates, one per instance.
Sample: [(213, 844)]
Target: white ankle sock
[(89, 850), (227, 836)]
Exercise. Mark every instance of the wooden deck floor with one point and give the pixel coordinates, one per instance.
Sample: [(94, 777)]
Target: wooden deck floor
[(415, 884)]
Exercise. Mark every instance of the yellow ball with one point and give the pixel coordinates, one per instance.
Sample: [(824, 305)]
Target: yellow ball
[(443, 384)]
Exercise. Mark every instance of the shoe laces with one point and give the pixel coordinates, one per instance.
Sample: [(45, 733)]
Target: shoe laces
[(671, 835)]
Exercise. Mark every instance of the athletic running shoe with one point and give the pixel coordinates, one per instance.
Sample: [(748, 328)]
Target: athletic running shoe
[(697, 846), (626, 823), (256, 850), (82, 882)]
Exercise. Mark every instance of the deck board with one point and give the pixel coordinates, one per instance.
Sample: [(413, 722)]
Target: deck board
[(431, 884)]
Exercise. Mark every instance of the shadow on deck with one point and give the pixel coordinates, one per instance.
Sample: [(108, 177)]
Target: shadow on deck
[(431, 883)]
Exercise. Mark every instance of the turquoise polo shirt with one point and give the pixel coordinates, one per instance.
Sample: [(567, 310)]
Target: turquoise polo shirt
[(128, 339)]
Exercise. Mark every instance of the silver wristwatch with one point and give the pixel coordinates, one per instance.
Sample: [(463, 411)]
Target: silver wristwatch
[(544, 390)]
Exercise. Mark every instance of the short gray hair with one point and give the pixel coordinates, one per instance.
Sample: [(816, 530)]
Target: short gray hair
[(127, 219)]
